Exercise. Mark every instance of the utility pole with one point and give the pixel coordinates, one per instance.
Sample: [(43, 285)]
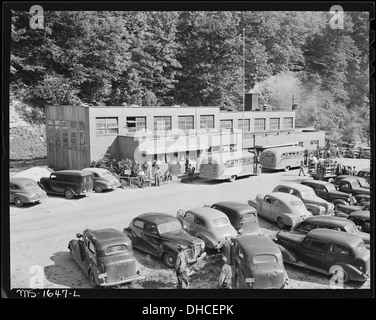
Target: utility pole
[(243, 86)]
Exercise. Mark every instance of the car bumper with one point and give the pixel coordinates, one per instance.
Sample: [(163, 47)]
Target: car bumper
[(130, 279)]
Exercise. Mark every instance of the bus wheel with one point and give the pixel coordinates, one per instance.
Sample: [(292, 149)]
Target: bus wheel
[(287, 168), (232, 178), (259, 170)]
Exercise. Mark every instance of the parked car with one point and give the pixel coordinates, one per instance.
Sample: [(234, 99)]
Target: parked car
[(69, 183), (327, 191), (362, 181), (361, 219), (352, 186), (25, 190), (314, 204), (103, 179), (242, 216), (344, 210), (365, 173), (160, 234), (280, 207), (327, 251), (106, 257), (330, 222), (208, 224), (258, 263)]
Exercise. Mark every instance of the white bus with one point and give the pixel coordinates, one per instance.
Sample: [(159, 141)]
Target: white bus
[(282, 158), (229, 166)]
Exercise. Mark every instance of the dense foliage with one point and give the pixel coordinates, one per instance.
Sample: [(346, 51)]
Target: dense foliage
[(159, 58)]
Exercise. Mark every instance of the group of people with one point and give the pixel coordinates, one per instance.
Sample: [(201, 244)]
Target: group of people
[(148, 171)]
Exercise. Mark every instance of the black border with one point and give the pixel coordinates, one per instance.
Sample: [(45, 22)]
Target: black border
[(138, 298)]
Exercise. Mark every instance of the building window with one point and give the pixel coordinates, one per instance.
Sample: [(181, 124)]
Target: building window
[(64, 125), (274, 124), (288, 123), (226, 124), (301, 144), (162, 124), (206, 122), (135, 124), (73, 134), (314, 142), (246, 123), (107, 126), (82, 135), (259, 124), (51, 138), (57, 133), (185, 123)]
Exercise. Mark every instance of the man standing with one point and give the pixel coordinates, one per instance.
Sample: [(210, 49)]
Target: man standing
[(225, 278), (141, 177), (180, 269), (301, 168), (157, 177)]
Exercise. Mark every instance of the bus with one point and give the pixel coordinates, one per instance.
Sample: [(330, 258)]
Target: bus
[(282, 158), (229, 166)]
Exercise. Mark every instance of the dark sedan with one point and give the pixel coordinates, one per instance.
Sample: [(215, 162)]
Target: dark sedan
[(160, 234), (361, 219)]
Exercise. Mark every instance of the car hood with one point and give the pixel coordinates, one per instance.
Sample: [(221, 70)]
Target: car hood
[(290, 237), (339, 194), (179, 236), (363, 190)]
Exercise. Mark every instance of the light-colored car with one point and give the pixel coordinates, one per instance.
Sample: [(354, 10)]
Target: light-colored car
[(208, 224), (280, 207), (314, 204), (25, 190), (103, 179)]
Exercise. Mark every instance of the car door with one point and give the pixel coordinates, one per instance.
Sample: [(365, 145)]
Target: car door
[(266, 206), (90, 255), (240, 267), (313, 252), (276, 209), (137, 228), (150, 238), (55, 184), (337, 253)]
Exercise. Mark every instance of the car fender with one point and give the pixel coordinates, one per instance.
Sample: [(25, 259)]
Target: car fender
[(129, 233), (314, 207), (44, 183), (168, 246), (287, 218), (209, 242), (287, 255)]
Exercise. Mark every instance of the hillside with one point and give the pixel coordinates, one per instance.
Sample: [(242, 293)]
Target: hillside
[(27, 138)]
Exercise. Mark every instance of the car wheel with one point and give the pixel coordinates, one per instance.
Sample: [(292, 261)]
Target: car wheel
[(169, 259), (287, 168), (334, 270), (280, 223), (18, 202), (232, 178), (69, 194), (92, 279), (98, 188)]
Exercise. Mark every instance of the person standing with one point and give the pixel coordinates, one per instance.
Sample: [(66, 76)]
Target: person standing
[(186, 165), (157, 176), (180, 269), (301, 167), (225, 277), (354, 172), (315, 162), (141, 177), (337, 152)]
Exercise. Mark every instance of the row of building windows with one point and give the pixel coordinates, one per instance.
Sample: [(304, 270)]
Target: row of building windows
[(59, 132), (108, 126)]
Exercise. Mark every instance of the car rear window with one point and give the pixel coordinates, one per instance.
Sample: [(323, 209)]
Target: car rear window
[(169, 227), (265, 259), (117, 248), (30, 184), (220, 222), (248, 216)]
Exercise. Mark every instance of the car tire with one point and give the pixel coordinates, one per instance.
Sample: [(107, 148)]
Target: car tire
[(69, 194), (98, 188), (287, 168), (169, 259), (232, 178), (346, 277), (92, 279), (18, 202), (281, 223)]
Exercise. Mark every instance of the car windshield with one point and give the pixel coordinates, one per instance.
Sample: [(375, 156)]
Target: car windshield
[(116, 248), (308, 194), (355, 183), (169, 227), (351, 228), (363, 183), (220, 222), (30, 184), (265, 259), (105, 173), (330, 187)]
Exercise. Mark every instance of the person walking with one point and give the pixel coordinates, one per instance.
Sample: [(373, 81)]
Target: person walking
[(301, 167), (225, 277), (191, 171), (181, 270)]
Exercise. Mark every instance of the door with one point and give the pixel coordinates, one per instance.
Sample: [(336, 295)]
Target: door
[(275, 209), (266, 207), (150, 239), (337, 253), (240, 270), (90, 254), (313, 252), (55, 184)]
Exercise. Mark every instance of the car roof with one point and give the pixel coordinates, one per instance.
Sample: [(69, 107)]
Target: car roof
[(329, 220), (361, 214), (207, 213), (97, 170), (235, 207), (105, 237), (156, 217), (317, 182), (345, 238), (294, 185), (20, 180), (257, 244), (283, 196), (72, 172)]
